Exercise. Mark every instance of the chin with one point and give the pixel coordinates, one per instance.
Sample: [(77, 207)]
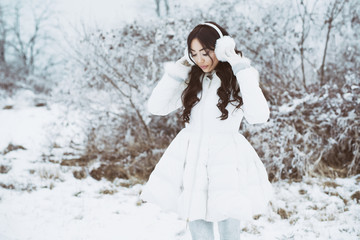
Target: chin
[(207, 70)]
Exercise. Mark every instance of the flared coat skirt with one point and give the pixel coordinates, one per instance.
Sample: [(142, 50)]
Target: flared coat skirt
[(210, 175)]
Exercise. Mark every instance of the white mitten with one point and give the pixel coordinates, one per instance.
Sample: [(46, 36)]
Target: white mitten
[(225, 52), (181, 68)]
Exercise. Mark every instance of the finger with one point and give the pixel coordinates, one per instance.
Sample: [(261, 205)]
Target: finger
[(231, 52), (228, 53)]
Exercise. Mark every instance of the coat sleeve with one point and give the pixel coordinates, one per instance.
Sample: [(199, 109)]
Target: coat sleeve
[(166, 96), (255, 107)]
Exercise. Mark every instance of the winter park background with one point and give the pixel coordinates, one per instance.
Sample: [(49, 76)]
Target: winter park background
[(77, 144)]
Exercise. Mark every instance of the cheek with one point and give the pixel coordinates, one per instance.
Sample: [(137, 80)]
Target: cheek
[(215, 62), (212, 62), (196, 60), (213, 56)]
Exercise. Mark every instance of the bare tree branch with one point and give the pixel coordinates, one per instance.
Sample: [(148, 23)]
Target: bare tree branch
[(332, 12)]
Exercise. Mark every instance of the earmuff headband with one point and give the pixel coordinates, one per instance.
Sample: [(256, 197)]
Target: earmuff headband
[(214, 27)]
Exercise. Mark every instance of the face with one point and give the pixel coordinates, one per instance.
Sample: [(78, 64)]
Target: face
[(202, 57)]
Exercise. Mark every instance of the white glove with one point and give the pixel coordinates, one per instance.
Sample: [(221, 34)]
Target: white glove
[(225, 52), (181, 68)]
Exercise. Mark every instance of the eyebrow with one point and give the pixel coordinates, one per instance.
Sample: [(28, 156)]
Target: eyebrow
[(192, 50)]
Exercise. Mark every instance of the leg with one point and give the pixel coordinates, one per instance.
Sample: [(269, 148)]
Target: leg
[(229, 229), (201, 230)]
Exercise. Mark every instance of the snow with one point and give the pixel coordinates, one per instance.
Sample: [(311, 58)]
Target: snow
[(291, 107), (47, 202)]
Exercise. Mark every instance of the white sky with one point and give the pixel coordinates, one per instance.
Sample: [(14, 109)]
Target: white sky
[(104, 13)]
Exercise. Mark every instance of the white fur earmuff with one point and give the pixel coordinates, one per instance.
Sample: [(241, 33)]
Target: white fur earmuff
[(223, 45)]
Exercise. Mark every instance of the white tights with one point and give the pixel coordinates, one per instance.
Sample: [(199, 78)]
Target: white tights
[(229, 229)]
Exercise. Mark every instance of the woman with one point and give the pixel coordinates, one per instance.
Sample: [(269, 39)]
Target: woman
[(210, 173)]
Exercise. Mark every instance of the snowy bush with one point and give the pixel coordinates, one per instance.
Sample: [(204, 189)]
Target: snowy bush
[(317, 134)]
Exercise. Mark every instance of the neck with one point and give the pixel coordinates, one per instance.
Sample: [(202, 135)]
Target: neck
[(210, 74)]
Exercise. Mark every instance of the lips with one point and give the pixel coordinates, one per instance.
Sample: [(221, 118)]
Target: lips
[(203, 67)]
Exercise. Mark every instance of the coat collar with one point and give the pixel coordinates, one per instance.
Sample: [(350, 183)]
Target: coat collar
[(209, 75)]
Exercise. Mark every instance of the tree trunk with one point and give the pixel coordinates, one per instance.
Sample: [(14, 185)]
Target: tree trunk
[(302, 54), (2, 51), (322, 77)]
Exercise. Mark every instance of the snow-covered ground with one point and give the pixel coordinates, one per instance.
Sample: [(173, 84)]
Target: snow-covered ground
[(43, 200)]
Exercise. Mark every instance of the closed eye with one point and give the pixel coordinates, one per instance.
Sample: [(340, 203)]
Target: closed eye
[(204, 54)]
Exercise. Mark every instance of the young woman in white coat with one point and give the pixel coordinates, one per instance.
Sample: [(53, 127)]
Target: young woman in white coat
[(210, 173)]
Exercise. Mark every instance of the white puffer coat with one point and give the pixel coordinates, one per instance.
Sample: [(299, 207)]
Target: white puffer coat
[(209, 171)]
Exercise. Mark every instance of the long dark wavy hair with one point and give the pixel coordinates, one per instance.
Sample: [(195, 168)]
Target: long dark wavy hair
[(229, 89)]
